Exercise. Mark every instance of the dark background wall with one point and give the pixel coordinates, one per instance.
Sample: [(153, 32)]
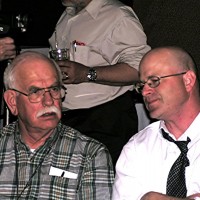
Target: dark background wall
[(171, 22), (42, 15)]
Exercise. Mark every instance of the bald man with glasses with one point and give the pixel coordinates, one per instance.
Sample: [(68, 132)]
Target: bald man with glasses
[(149, 162)]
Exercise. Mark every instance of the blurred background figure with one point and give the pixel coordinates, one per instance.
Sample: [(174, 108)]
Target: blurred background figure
[(7, 52), (106, 42), (7, 48)]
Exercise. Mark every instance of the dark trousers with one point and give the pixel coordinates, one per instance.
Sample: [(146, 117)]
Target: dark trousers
[(112, 123)]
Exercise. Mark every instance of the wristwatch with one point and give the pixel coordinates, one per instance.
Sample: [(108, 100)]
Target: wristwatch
[(92, 74)]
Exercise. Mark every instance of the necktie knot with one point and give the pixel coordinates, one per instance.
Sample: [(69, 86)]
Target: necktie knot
[(182, 145)]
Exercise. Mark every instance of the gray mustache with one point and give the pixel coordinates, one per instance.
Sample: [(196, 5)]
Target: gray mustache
[(46, 110)]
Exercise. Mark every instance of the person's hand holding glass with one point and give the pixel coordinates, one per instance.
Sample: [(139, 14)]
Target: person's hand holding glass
[(60, 54), (72, 71)]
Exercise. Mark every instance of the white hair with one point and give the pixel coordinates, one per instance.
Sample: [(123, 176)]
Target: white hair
[(9, 74)]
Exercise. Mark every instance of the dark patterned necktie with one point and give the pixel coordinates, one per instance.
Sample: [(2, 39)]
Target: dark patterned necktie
[(176, 185)]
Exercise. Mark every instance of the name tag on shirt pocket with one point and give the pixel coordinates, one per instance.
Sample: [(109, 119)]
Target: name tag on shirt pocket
[(62, 173)]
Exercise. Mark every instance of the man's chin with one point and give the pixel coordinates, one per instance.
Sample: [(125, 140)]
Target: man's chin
[(49, 125), (152, 111), (154, 114), (68, 4)]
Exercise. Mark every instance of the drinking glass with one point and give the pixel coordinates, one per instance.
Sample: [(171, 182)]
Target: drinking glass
[(59, 54)]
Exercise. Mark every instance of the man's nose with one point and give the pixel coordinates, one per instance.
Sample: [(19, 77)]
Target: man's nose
[(47, 99), (146, 90)]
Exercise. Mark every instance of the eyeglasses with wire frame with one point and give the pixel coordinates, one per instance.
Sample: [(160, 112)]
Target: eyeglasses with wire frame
[(153, 81), (36, 95)]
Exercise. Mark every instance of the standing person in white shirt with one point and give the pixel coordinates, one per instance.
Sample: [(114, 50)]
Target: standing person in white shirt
[(106, 42), (170, 88)]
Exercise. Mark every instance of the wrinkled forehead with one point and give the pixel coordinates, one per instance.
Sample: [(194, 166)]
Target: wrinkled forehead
[(36, 70)]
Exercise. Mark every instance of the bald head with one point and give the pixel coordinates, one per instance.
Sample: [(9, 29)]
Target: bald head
[(172, 56), (169, 82)]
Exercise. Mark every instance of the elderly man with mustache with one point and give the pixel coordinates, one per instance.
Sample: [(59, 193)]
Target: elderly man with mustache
[(39, 157)]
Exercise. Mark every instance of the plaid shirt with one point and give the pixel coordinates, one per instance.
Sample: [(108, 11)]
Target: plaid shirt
[(68, 166)]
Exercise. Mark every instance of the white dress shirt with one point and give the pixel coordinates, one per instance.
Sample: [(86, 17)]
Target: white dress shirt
[(108, 32), (146, 159)]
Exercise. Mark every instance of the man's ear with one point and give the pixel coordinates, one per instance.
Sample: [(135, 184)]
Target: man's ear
[(189, 80), (10, 99)]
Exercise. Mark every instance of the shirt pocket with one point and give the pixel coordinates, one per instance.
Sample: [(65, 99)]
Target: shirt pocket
[(60, 188), (80, 54)]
